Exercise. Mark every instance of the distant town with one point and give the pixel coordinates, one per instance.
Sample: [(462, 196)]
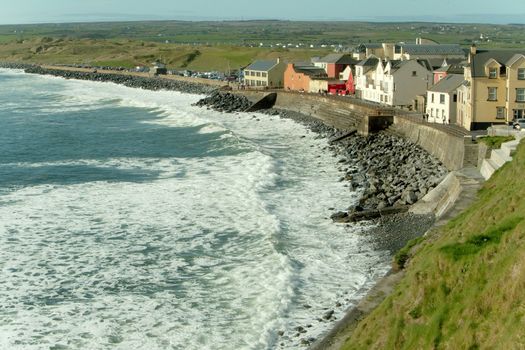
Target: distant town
[(448, 84)]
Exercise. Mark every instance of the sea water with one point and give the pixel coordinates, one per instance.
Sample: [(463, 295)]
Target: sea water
[(130, 219)]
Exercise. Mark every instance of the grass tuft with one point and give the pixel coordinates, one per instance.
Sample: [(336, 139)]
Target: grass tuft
[(476, 243), (495, 142)]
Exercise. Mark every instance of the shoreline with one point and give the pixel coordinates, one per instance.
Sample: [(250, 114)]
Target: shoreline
[(133, 80), (386, 235)]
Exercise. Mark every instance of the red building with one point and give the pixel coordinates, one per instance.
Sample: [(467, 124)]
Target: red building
[(350, 85), (443, 71), (335, 63), (298, 77)]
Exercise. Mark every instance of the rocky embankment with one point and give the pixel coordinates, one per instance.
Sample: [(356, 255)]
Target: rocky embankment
[(153, 83), (225, 102), (390, 172), (11, 65)]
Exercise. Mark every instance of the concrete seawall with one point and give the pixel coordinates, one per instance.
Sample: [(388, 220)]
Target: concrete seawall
[(449, 149), (451, 145), (338, 112)]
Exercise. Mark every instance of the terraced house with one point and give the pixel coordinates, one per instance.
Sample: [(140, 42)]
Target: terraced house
[(442, 100), (265, 73), (494, 92), (393, 83)]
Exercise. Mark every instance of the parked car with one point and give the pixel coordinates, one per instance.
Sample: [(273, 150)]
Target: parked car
[(519, 124)]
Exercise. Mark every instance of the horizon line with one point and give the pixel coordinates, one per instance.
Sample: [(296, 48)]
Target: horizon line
[(364, 19)]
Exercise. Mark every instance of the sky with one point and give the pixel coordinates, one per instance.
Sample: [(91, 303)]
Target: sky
[(55, 11)]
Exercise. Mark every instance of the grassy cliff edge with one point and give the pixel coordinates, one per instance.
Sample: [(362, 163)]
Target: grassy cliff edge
[(465, 286)]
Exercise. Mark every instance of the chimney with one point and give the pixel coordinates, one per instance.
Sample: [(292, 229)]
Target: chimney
[(473, 52), (473, 49)]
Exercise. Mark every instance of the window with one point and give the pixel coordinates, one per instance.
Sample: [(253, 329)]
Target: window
[(264, 74), (520, 95), (432, 97), (493, 94), (258, 74), (455, 98), (414, 73), (493, 73), (521, 73), (519, 113), (500, 113), (432, 112), (442, 99)]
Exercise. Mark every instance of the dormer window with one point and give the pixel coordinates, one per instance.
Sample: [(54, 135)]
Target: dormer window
[(493, 73)]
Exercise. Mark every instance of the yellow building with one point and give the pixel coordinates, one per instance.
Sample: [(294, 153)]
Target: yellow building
[(494, 91), (265, 74)]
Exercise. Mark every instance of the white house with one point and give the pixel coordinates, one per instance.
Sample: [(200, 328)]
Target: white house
[(364, 71), (345, 74), (394, 83), (442, 100)]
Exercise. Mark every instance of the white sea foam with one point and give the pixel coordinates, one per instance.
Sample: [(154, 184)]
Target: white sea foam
[(215, 253)]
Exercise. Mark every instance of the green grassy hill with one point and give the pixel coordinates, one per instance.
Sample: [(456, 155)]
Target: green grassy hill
[(465, 287), (130, 53), (272, 32)]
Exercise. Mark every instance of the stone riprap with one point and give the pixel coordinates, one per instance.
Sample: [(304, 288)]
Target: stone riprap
[(11, 65), (225, 102), (153, 83), (390, 172)]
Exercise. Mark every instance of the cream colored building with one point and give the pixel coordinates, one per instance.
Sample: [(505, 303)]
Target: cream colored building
[(381, 50), (428, 51), (422, 49), (494, 92), (265, 74)]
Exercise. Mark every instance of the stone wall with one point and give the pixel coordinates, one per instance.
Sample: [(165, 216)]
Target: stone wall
[(449, 149), (340, 112), (454, 151)]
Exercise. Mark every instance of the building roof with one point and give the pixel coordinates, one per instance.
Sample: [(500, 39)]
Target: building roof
[(451, 69), (432, 49), (396, 64), (371, 61), (503, 57), (262, 65), (311, 71), (448, 84), (338, 58)]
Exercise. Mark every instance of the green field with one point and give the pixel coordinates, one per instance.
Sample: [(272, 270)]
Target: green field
[(465, 287), (246, 33), (130, 53), (225, 45)]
